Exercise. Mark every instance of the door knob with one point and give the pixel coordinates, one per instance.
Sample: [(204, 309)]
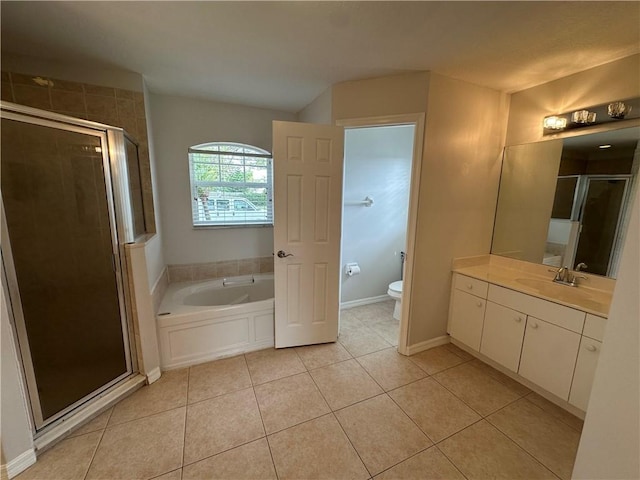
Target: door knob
[(282, 254)]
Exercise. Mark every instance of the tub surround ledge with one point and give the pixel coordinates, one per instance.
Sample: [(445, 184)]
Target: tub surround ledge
[(592, 296)]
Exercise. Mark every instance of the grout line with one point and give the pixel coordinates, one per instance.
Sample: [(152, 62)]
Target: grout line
[(266, 436), (186, 412), (451, 460), (96, 450)]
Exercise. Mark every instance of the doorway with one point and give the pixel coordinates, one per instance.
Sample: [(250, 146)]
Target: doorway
[(381, 172)]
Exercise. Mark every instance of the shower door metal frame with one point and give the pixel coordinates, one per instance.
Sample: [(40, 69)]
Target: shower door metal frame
[(120, 222)]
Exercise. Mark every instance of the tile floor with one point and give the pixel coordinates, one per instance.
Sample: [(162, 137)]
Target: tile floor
[(354, 409)]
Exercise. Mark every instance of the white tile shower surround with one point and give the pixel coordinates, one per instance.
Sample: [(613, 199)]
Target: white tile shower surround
[(354, 409)]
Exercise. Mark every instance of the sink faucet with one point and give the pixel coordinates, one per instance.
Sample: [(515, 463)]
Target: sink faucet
[(581, 266), (565, 277)]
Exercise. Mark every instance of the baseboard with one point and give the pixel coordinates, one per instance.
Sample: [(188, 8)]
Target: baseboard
[(153, 375), (427, 344), (363, 301), (19, 464)]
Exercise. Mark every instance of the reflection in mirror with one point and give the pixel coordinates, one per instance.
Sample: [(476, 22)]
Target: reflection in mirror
[(563, 202)]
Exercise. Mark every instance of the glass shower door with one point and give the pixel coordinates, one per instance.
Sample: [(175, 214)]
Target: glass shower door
[(602, 210), (61, 263)]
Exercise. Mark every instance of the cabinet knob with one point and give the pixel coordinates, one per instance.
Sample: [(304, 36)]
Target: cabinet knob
[(534, 325), (518, 319), (591, 348), (469, 286), (479, 304)]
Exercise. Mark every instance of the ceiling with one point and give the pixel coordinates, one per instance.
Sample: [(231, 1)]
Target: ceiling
[(282, 55)]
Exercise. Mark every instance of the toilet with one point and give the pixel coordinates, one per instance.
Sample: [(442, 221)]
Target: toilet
[(395, 292)]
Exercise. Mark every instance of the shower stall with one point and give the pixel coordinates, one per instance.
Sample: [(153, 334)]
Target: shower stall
[(71, 198)]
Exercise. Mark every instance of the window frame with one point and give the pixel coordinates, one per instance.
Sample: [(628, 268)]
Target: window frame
[(243, 151)]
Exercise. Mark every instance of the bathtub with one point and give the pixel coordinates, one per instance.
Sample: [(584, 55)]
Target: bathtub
[(202, 321)]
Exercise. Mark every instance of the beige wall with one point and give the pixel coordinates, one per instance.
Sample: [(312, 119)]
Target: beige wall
[(613, 81), (392, 95), (318, 111), (464, 134), (463, 142), (527, 190)]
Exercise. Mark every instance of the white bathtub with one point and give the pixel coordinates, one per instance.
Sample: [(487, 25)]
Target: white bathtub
[(202, 321)]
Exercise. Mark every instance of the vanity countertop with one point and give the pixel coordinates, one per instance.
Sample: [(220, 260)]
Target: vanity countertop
[(590, 300)]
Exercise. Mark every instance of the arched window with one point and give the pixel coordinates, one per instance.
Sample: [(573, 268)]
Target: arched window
[(231, 185)]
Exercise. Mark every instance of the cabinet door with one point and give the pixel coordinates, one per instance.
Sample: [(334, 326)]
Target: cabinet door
[(502, 335), (585, 371), (467, 313), (549, 356)]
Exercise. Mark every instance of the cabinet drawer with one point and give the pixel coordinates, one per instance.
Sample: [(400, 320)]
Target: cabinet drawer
[(594, 327), (470, 285), (559, 315), (549, 356), (585, 371)]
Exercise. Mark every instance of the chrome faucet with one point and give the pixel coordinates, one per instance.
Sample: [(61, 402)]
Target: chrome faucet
[(581, 266), (565, 277)]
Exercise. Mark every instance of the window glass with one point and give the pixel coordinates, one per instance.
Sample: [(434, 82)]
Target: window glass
[(231, 185)]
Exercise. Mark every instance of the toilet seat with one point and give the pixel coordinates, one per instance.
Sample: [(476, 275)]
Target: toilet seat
[(396, 287)]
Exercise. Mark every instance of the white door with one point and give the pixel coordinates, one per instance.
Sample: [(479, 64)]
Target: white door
[(307, 179)]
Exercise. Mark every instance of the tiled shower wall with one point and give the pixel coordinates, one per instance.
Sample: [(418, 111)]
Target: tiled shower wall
[(111, 106)]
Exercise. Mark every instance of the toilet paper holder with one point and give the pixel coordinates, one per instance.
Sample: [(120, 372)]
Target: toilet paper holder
[(351, 269)]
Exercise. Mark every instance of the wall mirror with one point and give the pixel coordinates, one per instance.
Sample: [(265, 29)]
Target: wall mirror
[(565, 201)]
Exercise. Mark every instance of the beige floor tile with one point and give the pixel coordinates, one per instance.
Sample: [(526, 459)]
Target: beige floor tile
[(458, 351), (345, 383), (143, 448), (381, 433), (167, 393), (389, 329), (248, 462), (390, 369), (271, 364), (175, 475), (475, 388), (316, 449), (431, 464), (434, 409), (550, 441), (372, 313), (216, 378), (436, 359), (349, 322), (481, 452), (221, 423), (315, 356), (68, 460), (94, 425), (559, 413), (514, 386), (362, 341), (289, 401)]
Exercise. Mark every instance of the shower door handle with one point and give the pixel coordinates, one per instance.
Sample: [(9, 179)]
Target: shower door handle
[(283, 254)]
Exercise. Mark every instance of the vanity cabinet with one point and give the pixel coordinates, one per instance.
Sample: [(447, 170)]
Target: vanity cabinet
[(551, 345), (502, 335), (549, 356), (584, 373), (468, 302)]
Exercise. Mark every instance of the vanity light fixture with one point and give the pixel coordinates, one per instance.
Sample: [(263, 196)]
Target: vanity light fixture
[(554, 122), (595, 115), (618, 110), (583, 117)]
